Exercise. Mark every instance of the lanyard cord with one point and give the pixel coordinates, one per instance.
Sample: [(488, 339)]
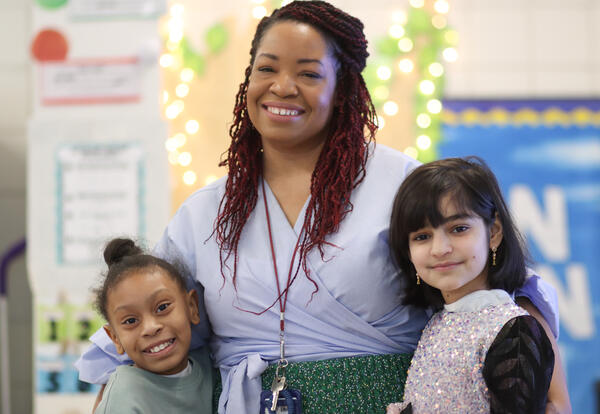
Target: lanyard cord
[(282, 301)]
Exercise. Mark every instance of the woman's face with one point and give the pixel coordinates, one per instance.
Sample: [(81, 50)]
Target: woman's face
[(292, 87)]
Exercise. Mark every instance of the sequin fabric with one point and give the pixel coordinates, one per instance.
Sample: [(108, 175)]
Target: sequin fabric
[(446, 371), (353, 385)]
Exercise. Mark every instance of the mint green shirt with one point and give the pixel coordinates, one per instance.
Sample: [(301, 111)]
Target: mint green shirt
[(134, 390)]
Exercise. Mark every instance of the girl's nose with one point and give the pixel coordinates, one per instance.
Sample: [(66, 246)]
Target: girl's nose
[(440, 245), (284, 86), (151, 327)]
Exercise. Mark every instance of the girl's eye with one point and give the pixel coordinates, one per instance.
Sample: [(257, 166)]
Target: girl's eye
[(162, 307), (460, 229), (129, 321), (420, 237)]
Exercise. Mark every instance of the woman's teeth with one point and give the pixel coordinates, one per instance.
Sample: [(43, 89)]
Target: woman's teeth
[(282, 111)]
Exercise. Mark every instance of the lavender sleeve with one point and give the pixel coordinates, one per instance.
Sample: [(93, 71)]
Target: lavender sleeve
[(543, 296)]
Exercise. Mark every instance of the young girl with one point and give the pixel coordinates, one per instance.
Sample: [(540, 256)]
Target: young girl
[(149, 312), (459, 251)]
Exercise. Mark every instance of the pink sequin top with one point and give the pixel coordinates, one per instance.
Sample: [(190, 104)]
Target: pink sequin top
[(446, 370)]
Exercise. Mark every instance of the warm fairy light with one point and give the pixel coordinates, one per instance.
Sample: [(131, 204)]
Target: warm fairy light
[(426, 87), (405, 44), (192, 126), (390, 108), (176, 10), (396, 31), (451, 37), (171, 144), (189, 177), (439, 22), (166, 60), (441, 6), (434, 106), (174, 109), (436, 69), (423, 142), (259, 12), (384, 72), (381, 92), (175, 35), (172, 47), (423, 121), (180, 139), (186, 75), (406, 65), (380, 122), (450, 54), (173, 158), (417, 4), (210, 179), (399, 17), (165, 97), (184, 159), (182, 90), (411, 152)]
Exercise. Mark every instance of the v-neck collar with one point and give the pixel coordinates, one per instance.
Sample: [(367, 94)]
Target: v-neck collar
[(276, 210)]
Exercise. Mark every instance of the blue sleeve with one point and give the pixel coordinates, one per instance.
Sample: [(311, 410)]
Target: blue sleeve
[(543, 296)]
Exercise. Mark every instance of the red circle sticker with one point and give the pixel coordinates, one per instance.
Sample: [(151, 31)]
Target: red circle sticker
[(49, 44)]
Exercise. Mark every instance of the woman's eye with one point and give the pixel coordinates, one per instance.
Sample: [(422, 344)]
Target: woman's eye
[(162, 307), (265, 69), (312, 75)]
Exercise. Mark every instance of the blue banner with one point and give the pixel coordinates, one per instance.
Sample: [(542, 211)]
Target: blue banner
[(546, 155)]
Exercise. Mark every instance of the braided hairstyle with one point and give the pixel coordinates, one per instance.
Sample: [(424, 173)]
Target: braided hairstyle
[(341, 164)]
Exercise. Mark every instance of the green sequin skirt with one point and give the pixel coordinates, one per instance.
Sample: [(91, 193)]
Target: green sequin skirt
[(364, 384)]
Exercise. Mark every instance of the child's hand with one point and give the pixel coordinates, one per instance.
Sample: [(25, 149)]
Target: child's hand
[(399, 408)]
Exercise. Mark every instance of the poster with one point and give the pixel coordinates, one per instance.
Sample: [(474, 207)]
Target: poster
[(546, 155)]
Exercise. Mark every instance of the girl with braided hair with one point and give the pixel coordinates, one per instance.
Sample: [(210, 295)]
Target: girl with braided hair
[(290, 249)]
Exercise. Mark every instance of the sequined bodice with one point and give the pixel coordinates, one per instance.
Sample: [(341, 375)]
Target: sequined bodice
[(446, 370)]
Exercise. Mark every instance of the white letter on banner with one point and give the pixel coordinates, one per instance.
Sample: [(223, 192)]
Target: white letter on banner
[(574, 302), (550, 233)]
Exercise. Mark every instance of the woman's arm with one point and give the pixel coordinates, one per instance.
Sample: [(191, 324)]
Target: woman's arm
[(558, 395)]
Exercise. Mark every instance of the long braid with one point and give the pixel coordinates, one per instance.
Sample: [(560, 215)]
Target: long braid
[(341, 164)]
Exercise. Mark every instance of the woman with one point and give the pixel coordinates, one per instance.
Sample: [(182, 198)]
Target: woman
[(291, 248)]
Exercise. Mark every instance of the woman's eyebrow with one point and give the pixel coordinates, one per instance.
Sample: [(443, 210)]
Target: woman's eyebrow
[(302, 60)]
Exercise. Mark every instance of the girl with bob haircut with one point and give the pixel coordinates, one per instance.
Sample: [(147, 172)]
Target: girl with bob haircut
[(460, 253)]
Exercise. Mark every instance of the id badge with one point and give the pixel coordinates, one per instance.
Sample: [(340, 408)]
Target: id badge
[(289, 401)]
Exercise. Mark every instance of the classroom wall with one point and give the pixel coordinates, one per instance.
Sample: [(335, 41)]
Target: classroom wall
[(508, 48)]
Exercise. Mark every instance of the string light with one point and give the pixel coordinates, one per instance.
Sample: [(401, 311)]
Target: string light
[(441, 6), (192, 126), (173, 158), (182, 90), (423, 121), (417, 4), (405, 44), (184, 159), (396, 31), (186, 75), (423, 142), (450, 54), (399, 17), (439, 22), (259, 12), (434, 106), (384, 72), (165, 95), (166, 60), (436, 69), (406, 65), (390, 108), (426, 87), (180, 139), (380, 122), (381, 92), (189, 177), (174, 109)]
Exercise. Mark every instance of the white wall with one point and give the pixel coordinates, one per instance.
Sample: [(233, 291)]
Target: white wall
[(508, 48)]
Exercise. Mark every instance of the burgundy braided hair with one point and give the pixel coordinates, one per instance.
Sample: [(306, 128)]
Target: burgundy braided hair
[(341, 164)]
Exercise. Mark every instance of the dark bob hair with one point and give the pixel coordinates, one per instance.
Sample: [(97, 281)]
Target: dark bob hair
[(474, 190)]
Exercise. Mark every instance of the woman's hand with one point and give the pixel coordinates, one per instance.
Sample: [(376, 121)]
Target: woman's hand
[(558, 395)]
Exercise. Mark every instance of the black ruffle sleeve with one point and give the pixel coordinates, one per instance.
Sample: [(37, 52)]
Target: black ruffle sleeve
[(518, 368)]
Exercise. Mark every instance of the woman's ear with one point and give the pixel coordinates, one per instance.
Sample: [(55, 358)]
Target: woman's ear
[(496, 234), (113, 337), (192, 303)]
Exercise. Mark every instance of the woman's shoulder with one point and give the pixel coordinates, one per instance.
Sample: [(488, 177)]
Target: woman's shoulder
[(384, 160)]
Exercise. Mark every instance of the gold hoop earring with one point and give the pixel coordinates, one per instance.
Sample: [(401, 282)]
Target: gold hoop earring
[(494, 256), (418, 279)]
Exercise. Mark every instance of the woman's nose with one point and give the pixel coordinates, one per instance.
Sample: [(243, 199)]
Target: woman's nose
[(284, 85)]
